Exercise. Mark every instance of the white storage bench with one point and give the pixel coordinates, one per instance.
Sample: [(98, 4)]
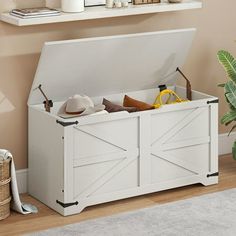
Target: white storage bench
[(83, 161)]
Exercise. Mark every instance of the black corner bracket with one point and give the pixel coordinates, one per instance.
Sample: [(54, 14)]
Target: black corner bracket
[(213, 175), (65, 205), (64, 124), (213, 101)]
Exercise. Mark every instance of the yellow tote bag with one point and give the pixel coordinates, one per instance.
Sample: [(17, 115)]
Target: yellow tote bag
[(159, 102)]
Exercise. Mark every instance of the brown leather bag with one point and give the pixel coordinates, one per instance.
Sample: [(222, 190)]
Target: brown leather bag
[(141, 106)]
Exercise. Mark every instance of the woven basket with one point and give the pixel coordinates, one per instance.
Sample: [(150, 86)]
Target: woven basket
[(5, 208), (5, 195), (5, 169), (5, 189)]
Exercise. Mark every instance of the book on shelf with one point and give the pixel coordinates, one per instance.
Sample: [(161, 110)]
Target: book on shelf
[(33, 16), (35, 12)]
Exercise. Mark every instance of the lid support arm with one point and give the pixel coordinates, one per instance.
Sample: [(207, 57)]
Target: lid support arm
[(47, 103), (188, 85)]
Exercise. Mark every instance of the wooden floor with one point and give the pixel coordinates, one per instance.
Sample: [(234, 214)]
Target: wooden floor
[(18, 224)]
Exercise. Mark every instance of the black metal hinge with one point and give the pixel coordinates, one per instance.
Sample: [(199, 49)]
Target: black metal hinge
[(212, 175), (65, 205), (162, 87), (213, 101), (67, 123), (49, 103)]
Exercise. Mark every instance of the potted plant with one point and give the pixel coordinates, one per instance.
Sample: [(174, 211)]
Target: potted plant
[(229, 64)]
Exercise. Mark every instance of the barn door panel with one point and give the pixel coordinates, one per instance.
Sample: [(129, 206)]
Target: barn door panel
[(183, 148), (105, 157)]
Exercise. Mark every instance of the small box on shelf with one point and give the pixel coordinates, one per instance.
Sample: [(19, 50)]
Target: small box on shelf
[(138, 2)]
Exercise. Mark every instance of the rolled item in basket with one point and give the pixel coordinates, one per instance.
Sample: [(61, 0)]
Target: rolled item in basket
[(16, 203), (4, 154)]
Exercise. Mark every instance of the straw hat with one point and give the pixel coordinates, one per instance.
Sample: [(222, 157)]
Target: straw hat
[(78, 105)]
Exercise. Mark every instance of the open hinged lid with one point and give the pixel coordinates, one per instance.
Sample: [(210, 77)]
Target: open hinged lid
[(109, 65)]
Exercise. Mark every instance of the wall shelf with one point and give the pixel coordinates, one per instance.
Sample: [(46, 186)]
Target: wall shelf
[(99, 12)]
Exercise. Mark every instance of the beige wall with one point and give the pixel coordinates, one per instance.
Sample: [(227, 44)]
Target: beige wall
[(20, 48)]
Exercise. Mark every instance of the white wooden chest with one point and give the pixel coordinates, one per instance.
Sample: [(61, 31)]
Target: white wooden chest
[(78, 162)]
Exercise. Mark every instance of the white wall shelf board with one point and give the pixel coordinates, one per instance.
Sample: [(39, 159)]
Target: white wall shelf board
[(99, 12)]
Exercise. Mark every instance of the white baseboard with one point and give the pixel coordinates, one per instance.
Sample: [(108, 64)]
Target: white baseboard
[(225, 147), (226, 143), (22, 180)]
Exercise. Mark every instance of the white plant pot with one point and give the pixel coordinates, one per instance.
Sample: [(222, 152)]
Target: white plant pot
[(72, 5)]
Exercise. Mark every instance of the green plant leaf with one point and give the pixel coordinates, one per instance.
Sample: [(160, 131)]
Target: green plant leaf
[(230, 106), (231, 130), (230, 93), (221, 85), (229, 63), (234, 150), (229, 117)]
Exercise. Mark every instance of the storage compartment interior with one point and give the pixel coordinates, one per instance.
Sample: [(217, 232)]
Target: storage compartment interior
[(147, 96)]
